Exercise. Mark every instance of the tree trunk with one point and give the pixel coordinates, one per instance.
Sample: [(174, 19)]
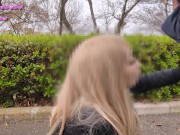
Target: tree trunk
[(107, 25), (63, 19), (67, 24), (121, 21), (93, 17), (61, 16), (0, 2), (166, 7), (125, 12), (119, 26)]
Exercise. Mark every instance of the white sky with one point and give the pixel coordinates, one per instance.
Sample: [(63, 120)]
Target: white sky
[(130, 28)]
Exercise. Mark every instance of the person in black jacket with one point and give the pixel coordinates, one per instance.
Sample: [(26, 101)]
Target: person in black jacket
[(171, 25), (165, 77)]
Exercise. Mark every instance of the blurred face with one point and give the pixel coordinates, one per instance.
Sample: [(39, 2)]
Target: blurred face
[(175, 4), (132, 69)]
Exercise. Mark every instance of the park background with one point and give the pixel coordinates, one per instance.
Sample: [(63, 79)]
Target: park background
[(36, 43)]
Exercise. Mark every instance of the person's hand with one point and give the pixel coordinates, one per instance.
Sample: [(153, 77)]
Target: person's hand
[(175, 4)]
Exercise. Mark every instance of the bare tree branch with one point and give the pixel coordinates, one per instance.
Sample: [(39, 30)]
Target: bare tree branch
[(153, 16), (124, 14), (63, 18), (93, 16)]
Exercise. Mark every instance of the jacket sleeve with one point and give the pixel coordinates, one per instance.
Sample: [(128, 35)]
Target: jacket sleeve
[(157, 80)]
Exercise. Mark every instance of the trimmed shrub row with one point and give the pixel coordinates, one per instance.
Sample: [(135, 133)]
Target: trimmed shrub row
[(31, 66)]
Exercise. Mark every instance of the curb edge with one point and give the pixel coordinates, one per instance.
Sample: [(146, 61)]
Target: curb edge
[(31, 113)]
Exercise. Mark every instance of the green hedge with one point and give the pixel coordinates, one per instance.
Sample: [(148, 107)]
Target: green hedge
[(31, 66)]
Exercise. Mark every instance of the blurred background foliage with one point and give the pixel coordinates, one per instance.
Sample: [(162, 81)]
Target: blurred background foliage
[(32, 66)]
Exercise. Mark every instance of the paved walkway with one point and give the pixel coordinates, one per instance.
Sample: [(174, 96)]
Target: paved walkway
[(161, 124)]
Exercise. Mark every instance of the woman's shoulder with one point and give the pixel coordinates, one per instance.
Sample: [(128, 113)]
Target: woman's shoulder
[(88, 122)]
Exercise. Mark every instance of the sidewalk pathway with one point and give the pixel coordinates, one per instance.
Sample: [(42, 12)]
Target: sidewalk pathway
[(30, 113), (161, 124)]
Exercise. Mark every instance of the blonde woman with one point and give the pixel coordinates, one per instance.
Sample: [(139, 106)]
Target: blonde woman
[(95, 97)]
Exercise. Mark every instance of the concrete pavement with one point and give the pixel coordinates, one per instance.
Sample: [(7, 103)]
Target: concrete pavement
[(156, 119), (156, 124)]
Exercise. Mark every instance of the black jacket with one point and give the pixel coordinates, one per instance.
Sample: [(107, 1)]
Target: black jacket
[(97, 124), (171, 26), (157, 80), (98, 129)]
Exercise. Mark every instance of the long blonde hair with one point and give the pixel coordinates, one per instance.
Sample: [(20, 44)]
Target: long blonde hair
[(96, 77)]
